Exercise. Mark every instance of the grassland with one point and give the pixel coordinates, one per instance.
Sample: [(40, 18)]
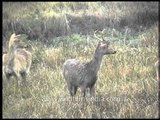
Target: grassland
[(126, 85)]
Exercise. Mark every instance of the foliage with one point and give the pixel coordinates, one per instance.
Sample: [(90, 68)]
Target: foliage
[(47, 20)]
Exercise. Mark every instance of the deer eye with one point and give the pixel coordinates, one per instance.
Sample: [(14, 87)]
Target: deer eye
[(17, 41)]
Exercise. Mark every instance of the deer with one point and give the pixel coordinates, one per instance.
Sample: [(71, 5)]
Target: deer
[(157, 66), (5, 59), (18, 60), (12, 42), (84, 75)]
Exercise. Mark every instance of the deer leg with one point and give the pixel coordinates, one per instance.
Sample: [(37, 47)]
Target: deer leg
[(92, 91), (83, 90), (24, 83), (74, 90), (16, 84), (70, 88), (8, 76), (23, 75)]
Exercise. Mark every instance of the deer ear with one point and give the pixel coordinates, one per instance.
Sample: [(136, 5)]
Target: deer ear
[(103, 44), (108, 43), (99, 43), (13, 34)]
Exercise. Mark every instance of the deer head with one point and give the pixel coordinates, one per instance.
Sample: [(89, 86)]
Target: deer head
[(103, 45), (16, 42)]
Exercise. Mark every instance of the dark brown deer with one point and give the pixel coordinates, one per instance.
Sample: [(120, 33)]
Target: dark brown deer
[(84, 75)]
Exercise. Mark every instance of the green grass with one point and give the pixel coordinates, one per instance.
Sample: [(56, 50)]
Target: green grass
[(126, 85)]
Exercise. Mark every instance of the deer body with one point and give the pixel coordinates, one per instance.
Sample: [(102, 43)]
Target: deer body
[(12, 42), (19, 60), (84, 75)]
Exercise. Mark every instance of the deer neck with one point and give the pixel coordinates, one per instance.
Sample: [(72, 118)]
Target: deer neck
[(96, 62), (11, 54)]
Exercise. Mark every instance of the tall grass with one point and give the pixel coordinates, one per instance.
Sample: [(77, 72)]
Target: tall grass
[(47, 20), (126, 86)]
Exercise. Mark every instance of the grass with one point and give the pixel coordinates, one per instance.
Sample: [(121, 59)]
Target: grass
[(47, 20), (126, 85)]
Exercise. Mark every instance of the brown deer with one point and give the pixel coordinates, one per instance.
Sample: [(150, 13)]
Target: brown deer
[(18, 60), (12, 42), (84, 75)]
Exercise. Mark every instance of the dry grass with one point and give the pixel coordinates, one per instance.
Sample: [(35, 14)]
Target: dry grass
[(47, 20), (126, 85), (126, 88)]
